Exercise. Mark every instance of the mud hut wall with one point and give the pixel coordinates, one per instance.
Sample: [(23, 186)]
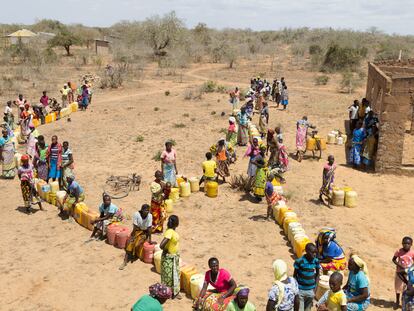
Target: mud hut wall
[(378, 84)]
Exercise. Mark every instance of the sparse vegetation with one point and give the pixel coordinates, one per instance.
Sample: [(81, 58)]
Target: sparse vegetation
[(139, 139), (167, 93), (241, 182), (157, 156), (179, 125), (156, 108), (321, 80), (186, 115)]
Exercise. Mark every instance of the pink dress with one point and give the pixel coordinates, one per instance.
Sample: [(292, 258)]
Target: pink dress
[(222, 283)]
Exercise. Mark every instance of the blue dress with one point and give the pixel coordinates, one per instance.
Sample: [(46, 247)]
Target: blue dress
[(357, 139)]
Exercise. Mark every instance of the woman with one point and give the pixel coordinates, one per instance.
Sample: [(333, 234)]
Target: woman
[(301, 133), (7, 152), (264, 120), (169, 164), (370, 147), (170, 258), (243, 131), (25, 122), (282, 156), (85, 97), (75, 195), (157, 207), (357, 288), (331, 255), (54, 158), (141, 232), (241, 302), (40, 159), (283, 296), (9, 116), (231, 137), (358, 139), (223, 284), (285, 96), (328, 177), (67, 164), (252, 151), (271, 142), (108, 213), (222, 159), (260, 177), (158, 295), (31, 142), (25, 173)]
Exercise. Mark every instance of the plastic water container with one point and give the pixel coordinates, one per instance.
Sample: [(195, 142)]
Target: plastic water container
[(196, 284), (45, 192), (74, 106), (186, 273), (185, 189), (148, 256), (113, 229), (194, 184), (300, 245), (54, 186), (340, 141), (121, 238), (77, 213), (278, 189), (351, 199), (343, 137), (331, 138), (310, 143), (294, 228), (169, 206), (286, 215), (52, 198), (175, 194), (211, 189), (60, 196), (180, 179), (39, 186), (322, 287), (338, 197), (287, 221), (157, 261), (88, 217), (282, 211)]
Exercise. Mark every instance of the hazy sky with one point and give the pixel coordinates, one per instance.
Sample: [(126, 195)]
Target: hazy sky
[(391, 16)]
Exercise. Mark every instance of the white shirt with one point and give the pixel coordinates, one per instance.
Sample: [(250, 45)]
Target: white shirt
[(8, 110), (354, 112), (142, 224), (367, 109)]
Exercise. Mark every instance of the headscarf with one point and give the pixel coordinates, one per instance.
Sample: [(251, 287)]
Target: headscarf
[(280, 270), (361, 264), (330, 232), (162, 291), (280, 273), (25, 157), (232, 119), (242, 292)]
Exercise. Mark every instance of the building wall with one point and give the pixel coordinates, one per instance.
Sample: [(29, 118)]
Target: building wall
[(101, 47)]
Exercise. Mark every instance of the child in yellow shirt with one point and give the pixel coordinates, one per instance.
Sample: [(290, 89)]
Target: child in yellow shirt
[(209, 168), (335, 298)]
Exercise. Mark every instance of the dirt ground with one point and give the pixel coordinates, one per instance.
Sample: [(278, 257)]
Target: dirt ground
[(46, 265)]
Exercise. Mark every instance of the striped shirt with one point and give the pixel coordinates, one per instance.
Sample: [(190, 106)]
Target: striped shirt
[(306, 272)]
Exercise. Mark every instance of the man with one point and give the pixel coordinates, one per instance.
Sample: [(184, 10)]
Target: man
[(307, 275), (107, 212), (353, 115)]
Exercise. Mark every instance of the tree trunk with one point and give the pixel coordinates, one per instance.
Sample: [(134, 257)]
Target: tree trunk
[(67, 48)]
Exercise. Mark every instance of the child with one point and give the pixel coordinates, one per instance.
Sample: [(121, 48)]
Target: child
[(335, 298), (403, 259), (272, 197), (232, 132), (209, 168)]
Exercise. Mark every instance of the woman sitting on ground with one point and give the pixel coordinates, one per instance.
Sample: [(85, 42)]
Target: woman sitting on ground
[(170, 258), (224, 286), (357, 288), (241, 302), (75, 195), (283, 296), (331, 255), (141, 232), (108, 213), (158, 295)]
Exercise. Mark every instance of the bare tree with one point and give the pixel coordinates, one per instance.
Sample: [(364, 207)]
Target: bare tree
[(161, 33)]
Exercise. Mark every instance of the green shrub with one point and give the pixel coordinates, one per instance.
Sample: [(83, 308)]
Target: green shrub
[(339, 58), (156, 108), (350, 81), (221, 89), (315, 49), (179, 125), (167, 93), (186, 115), (321, 80), (139, 139), (209, 87), (157, 156)]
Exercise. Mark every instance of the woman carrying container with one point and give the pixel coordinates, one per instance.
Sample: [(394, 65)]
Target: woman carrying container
[(7, 151), (141, 232), (357, 288), (54, 158), (158, 196), (283, 296), (169, 164), (25, 173), (224, 287), (170, 259), (331, 255)]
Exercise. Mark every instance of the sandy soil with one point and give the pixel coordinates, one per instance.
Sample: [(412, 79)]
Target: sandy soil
[(46, 266)]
